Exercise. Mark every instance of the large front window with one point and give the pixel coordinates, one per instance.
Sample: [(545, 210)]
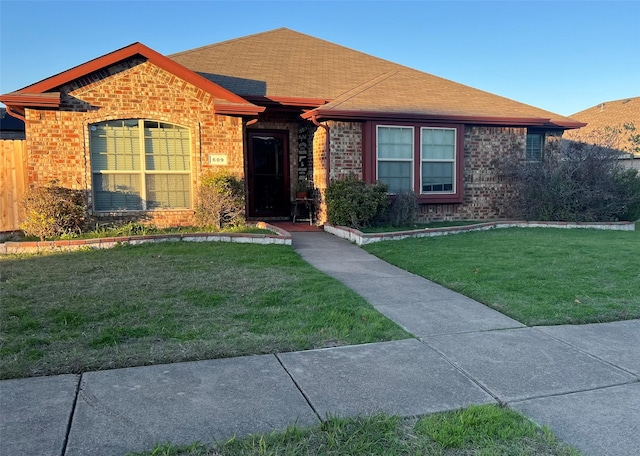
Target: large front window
[(140, 165), (424, 159)]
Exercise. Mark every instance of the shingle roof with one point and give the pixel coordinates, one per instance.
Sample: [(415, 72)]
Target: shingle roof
[(284, 63), (610, 114)]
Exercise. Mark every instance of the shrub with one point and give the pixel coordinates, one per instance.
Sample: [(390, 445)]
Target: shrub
[(355, 203), (220, 201), (578, 183), (402, 209), (53, 211)]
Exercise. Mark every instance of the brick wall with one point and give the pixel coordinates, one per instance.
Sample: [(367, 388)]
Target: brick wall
[(345, 140), (346, 149), (58, 141), (484, 189)]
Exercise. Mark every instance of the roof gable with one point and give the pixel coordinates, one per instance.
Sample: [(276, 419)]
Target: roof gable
[(39, 94)]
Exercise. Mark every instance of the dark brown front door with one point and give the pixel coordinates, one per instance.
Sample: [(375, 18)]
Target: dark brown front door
[(268, 173)]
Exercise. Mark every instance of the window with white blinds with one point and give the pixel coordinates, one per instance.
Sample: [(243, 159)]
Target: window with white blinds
[(140, 164), (395, 157), (438, 160)]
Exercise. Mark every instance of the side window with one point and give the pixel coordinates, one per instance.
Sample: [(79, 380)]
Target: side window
[(534, 147)]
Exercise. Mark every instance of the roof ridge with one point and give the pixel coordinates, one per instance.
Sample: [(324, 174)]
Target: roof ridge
[(232, 40)]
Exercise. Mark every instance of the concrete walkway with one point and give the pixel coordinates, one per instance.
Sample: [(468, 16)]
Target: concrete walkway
[(582, 381)]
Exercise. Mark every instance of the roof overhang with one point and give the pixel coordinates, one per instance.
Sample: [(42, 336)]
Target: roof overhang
[(39, 95), (333, 114), (27, 99), (298, 102)]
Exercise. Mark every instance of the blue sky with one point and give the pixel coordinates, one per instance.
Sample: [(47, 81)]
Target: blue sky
[(559, 56)]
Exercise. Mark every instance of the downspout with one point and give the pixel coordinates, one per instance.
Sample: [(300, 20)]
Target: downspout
[(17, 115), (327, 149)]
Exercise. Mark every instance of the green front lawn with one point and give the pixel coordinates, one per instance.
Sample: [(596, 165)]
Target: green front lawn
[(169, 302), (539, 276), (478, 430)]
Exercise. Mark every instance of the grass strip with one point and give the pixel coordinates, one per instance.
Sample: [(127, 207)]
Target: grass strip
[(478, 430)]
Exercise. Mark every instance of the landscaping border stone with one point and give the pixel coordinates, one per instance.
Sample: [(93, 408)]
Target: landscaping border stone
[(280, 237), (361, 238)]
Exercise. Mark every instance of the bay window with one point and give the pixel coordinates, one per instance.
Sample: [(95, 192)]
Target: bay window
[(139, 164)]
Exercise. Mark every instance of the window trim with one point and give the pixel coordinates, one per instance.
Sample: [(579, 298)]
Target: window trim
[(370, 158), (143, 172)]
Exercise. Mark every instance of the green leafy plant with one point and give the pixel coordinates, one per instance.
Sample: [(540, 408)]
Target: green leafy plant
[(53, 211), (220, 201), (355, 203)]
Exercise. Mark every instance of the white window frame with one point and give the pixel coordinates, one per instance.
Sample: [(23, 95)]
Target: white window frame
[(440, 160), (143, 172), (406, 160)]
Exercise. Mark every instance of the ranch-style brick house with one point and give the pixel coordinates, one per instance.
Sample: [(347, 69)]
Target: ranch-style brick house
[(137, 130)]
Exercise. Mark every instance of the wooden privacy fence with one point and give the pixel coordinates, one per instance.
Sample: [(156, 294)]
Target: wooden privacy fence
[(13, 182)]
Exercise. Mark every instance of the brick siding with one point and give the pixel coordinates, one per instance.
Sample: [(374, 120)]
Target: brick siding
[(58, 141), (484, 188)]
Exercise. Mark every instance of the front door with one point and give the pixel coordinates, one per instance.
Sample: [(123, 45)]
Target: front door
[(268, 173)]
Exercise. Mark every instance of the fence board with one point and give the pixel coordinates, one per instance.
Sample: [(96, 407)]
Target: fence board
[(13, 182)]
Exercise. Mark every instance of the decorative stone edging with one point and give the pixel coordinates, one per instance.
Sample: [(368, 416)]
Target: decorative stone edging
[(361, 238), (281, 237)]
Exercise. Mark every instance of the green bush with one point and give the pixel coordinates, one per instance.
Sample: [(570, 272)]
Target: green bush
[(578, 183), (220, 201), (355, 203), (53, 211)]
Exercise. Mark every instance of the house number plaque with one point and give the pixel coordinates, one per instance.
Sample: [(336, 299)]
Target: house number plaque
[(218, 159)]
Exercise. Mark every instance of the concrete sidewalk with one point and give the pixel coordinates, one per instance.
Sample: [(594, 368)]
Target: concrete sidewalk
[(582, 381)]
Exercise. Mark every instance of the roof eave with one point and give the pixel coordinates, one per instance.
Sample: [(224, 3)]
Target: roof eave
[(413, 116), (299, 102), (242, 110), (32, 100)]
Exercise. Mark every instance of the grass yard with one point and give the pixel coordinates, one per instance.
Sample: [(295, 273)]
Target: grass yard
[(169, 302), (477, 430), (539, 276)]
